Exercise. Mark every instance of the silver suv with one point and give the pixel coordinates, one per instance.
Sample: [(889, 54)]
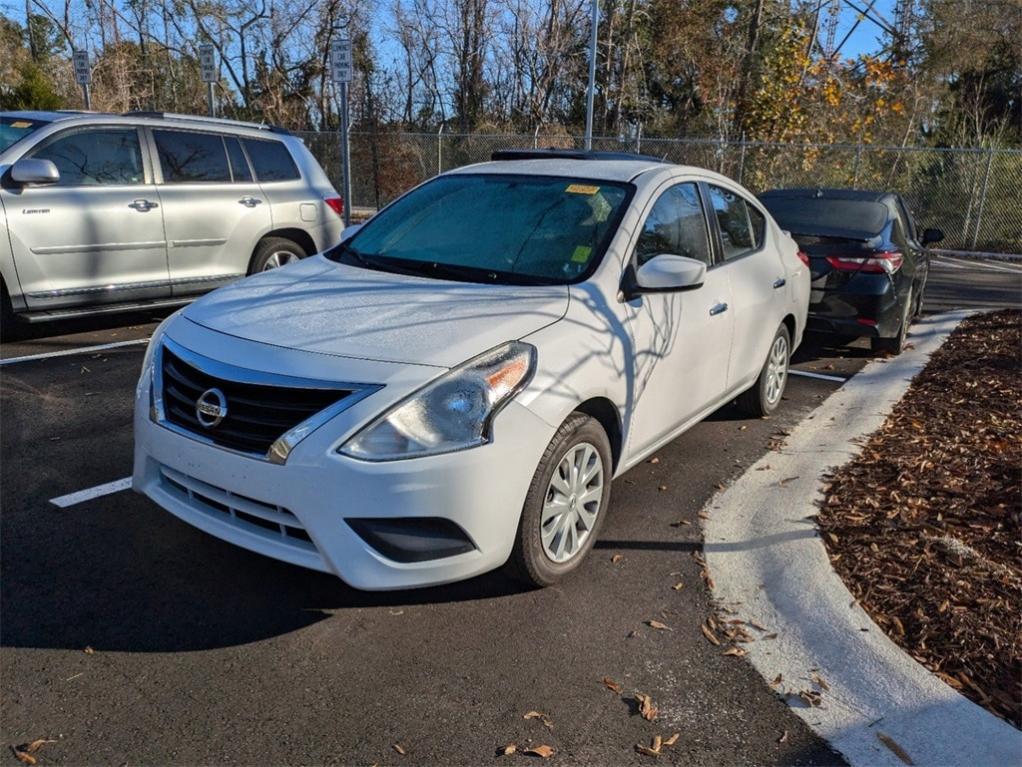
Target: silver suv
[(103, 212)]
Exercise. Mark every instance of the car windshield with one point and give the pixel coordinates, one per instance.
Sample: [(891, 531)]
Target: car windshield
[(495, 228), (14, 129), (861, 219)]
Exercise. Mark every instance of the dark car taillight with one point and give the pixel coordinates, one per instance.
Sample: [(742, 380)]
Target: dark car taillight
[(803, 257), (884, 262), (336, 204)]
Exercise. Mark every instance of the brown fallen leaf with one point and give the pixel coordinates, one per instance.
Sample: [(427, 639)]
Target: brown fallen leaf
[(616, 558), (738, 652), (681, 523), (777, 681), (659, 626), (672, 740), (646, 750), (678, 586), (647, 709), (661, 488), (399, 748), (783, 738), (542, 717), (23, 756), (812, 697), (897, 750), (770, 636), (657, 743), (611, 685), (654, 459), (507, 750), (710, 636), (88, 650), (820, 682), (543, 752)]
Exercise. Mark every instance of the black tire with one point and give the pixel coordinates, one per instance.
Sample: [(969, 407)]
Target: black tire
[(896, 345), (10, 326), (917, 311), (529, 561), (270, 247), (756, 400)]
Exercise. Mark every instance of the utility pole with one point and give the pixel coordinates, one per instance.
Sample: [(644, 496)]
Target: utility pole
[(590, 91)]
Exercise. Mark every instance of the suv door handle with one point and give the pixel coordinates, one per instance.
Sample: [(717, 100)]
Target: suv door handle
[(718, 309), (780, 282), (249, 202), (143, 205)]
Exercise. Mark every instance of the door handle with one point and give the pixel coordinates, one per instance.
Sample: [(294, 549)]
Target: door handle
[(718, 309), (143, 205), (249, 202), (780, 282)]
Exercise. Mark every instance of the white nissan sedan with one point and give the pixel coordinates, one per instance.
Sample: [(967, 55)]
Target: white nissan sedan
[(455, 385)]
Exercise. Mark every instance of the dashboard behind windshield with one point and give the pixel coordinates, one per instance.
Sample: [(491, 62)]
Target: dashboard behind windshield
[(495, 227), (14, 129)]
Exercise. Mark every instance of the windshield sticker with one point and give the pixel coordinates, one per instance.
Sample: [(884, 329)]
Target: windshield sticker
[(21, 124), (581, 254), (582, 189)]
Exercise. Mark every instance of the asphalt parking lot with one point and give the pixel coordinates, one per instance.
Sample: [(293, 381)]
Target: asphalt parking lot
[(129, 637)]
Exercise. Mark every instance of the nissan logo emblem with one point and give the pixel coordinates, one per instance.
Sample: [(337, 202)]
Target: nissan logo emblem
[(211, 408)]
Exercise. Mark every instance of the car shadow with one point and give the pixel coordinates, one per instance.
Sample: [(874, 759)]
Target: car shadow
[(19, 330)]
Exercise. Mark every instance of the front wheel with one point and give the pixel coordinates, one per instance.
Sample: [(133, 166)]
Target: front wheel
[(565, 505), (765, 395)]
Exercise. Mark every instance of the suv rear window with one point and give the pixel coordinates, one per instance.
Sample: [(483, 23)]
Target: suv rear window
[(192, 157), (271, 160)]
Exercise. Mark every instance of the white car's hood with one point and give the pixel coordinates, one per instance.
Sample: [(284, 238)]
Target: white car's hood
[(321, 306)]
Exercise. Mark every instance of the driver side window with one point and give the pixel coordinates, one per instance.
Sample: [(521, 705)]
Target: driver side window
[(675, 225)]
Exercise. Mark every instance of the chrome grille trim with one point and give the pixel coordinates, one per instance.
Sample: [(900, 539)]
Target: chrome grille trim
[(281, 448)]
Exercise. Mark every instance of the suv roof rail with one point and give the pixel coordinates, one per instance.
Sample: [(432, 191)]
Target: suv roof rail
[(205, 119), (553, 153)]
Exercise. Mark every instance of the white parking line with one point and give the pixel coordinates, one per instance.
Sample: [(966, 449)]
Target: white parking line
[(69, 352), (820, 376), (92, 492)]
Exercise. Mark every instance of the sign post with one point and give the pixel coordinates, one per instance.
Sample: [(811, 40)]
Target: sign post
[(83, 74), (207, 63), (340, 73)]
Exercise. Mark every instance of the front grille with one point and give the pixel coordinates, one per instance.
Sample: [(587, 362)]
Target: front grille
[(268, 520), (257, 414)]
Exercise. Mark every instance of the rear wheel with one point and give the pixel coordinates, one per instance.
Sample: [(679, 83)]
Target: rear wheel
[(896, 345), (274, 252), (765, 395), (565, 505)]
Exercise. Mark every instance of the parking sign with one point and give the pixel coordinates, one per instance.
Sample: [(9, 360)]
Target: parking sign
[(83, 72), (207, 62), (340, 61)]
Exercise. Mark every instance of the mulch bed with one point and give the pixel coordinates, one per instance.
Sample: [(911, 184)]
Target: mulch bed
[(925, 525)]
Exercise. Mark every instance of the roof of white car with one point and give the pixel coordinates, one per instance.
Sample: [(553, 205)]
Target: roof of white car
[(602, 170)]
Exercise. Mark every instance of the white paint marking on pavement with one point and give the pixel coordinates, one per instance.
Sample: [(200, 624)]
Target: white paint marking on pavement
[(69, 352), (92, 492), (821, 376)]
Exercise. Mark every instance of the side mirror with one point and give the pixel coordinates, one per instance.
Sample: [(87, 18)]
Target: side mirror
[(932, 235), (350, 231), (667, 274), (28, 171)]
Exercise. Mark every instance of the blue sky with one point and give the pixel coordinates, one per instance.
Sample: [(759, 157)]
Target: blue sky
[(867, 36)]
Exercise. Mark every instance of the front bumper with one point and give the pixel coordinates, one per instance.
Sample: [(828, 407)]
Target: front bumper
[(482, 490)]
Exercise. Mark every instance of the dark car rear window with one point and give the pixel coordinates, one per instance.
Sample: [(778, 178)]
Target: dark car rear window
[(271, 160), (841, 218)]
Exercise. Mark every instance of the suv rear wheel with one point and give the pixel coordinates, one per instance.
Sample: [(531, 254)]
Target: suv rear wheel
[(272, 252)]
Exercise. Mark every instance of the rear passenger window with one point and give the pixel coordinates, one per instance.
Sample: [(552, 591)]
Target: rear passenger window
[(100, 157), (675, 226), (738, 233), (239, 165), (271, 160), (191, 157)]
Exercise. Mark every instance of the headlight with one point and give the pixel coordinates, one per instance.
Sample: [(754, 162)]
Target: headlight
[(145, 380), (453, 412)]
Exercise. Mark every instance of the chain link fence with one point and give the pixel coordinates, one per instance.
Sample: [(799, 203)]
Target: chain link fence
[(973, 195)]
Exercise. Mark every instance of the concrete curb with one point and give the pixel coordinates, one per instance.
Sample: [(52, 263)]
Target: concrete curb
[(770, 566)]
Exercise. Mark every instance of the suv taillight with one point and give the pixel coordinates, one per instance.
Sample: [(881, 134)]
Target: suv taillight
[(336, 204), (884, 262)]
